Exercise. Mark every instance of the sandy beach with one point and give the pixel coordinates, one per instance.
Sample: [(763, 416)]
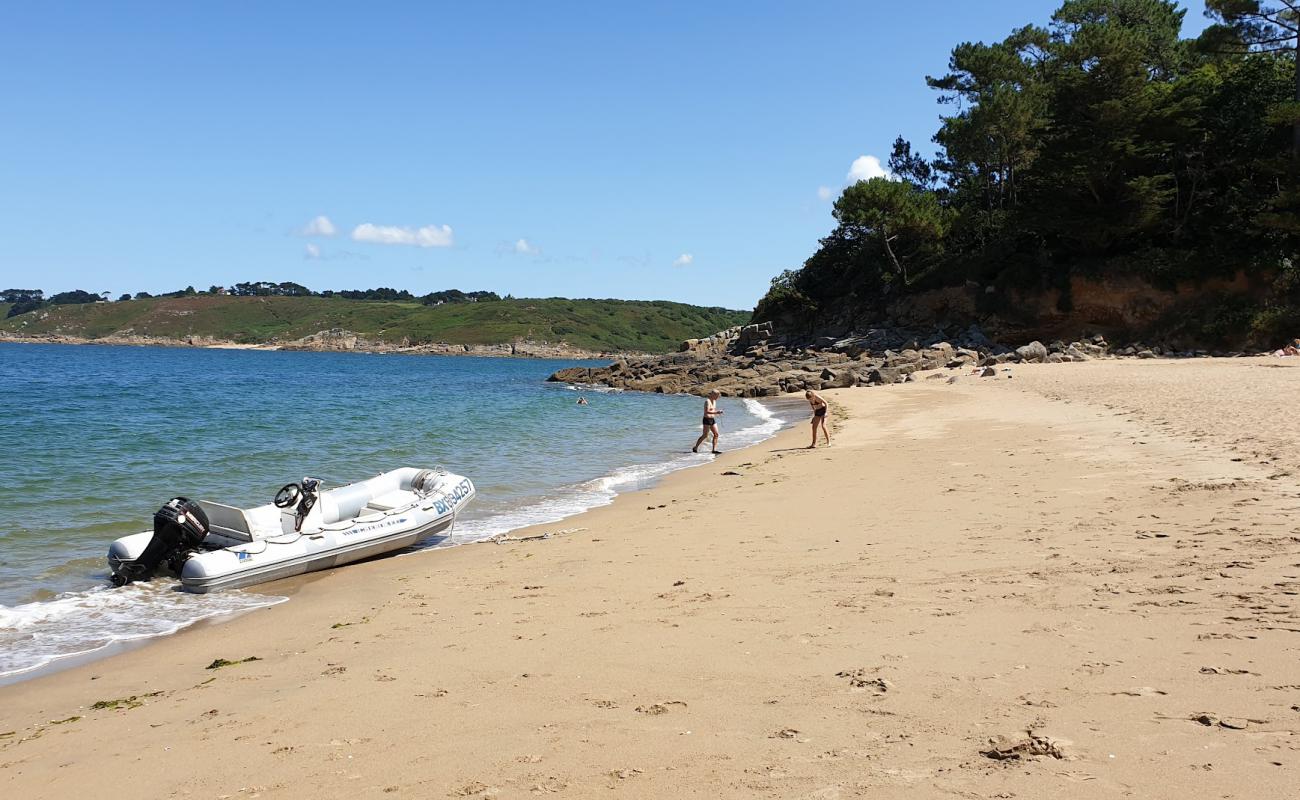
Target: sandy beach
[(1080, 581)]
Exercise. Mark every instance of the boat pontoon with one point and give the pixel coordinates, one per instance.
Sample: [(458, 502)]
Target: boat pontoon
[(213, 546)]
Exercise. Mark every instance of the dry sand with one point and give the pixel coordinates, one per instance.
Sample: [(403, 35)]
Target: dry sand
[(1109, 594)]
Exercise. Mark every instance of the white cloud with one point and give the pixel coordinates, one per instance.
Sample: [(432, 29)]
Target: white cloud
[(865, 168), (684, 260), (825, 192), (428, 236), (526, 248), (319, 226), (312, 252)]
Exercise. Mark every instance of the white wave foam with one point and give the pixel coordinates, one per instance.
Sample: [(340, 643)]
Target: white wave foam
[(573, 500), (33, 635)]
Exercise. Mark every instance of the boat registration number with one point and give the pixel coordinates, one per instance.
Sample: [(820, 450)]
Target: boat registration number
[(449, 500)]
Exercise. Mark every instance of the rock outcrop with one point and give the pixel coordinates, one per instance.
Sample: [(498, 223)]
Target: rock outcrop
[(752, 361), (342, 340)]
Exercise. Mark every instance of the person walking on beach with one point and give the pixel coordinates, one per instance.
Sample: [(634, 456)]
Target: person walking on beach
[(819, 408), (711, 413)]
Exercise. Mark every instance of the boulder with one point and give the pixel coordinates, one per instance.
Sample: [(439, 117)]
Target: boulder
[(881, 376), (1034, 352)]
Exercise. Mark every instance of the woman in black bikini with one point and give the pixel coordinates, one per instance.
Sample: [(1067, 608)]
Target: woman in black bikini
[(711, 413), (819, 416)]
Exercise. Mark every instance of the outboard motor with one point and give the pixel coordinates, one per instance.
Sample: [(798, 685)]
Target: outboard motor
[(178, 528)]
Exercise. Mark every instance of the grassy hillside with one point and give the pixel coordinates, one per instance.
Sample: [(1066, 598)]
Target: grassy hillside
[(648, 326)]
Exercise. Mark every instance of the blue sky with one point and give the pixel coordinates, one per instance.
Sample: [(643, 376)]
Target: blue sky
[(676, 151)]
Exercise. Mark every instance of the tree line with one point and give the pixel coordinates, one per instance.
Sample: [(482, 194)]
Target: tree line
[(24, 301), (1101, 144)]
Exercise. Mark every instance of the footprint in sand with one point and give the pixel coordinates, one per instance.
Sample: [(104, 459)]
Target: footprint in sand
[(655, 709)]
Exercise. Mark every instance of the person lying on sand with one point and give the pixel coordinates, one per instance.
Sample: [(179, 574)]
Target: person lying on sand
[(711, 413), (819, 408)]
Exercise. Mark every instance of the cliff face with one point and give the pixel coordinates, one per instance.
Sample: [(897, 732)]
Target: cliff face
[(1122, 309)]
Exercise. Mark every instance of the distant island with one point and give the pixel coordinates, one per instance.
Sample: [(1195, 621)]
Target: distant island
[(290, 316)]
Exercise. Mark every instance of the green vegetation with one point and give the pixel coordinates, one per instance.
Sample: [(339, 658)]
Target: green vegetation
[(134, 701), (1102, 145), (603, 325)]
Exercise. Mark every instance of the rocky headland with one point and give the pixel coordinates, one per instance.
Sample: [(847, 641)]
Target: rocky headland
[(756, 361), (337, 340)]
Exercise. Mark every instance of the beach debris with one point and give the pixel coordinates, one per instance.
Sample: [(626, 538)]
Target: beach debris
[(679, 583), (334, 669), (624, 774), (64, 721), (1231, 723), (1140, 691), (785, 733), (218, 663), (125, 703), (728, 472), (1002, 748), (953, 379), (862, 679), (655, 709), (604, 704), (475, 789), (361, 621), (1225, 671), (502, 538)]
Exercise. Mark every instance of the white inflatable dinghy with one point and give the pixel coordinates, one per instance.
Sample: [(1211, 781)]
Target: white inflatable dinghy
[(213, 546)]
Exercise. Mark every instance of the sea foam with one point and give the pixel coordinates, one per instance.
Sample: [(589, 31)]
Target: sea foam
[(33, 635)]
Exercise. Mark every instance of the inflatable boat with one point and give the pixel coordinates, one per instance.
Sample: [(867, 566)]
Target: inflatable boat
[(212, 546)]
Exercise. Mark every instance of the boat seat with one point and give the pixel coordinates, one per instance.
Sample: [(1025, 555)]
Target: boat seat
[(227, 521), (392, 500)]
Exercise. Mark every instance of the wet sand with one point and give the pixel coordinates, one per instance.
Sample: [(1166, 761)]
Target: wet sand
[(1078, 582)]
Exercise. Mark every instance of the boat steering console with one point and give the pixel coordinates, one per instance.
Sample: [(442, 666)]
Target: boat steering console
[(302, 495)]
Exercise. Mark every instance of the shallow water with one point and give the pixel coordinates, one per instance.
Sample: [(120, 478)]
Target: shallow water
[(99, 437)]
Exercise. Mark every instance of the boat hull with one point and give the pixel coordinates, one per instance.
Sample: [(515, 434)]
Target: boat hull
[(200, 580), (387, 513)]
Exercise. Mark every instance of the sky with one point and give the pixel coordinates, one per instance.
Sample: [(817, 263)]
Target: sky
[(682, 151)]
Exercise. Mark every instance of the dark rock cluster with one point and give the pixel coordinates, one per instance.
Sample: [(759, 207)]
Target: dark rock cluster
[(753, 361)]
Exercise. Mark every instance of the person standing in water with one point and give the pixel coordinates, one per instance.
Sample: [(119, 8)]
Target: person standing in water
[(710, 422), (819, 408)]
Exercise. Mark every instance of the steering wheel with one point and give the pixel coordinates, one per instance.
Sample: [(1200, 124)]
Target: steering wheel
[(288, 495)]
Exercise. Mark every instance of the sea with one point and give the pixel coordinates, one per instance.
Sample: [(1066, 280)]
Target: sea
[(98, 437)]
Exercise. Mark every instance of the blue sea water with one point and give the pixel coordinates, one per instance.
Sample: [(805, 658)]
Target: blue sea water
[(98, 437)]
